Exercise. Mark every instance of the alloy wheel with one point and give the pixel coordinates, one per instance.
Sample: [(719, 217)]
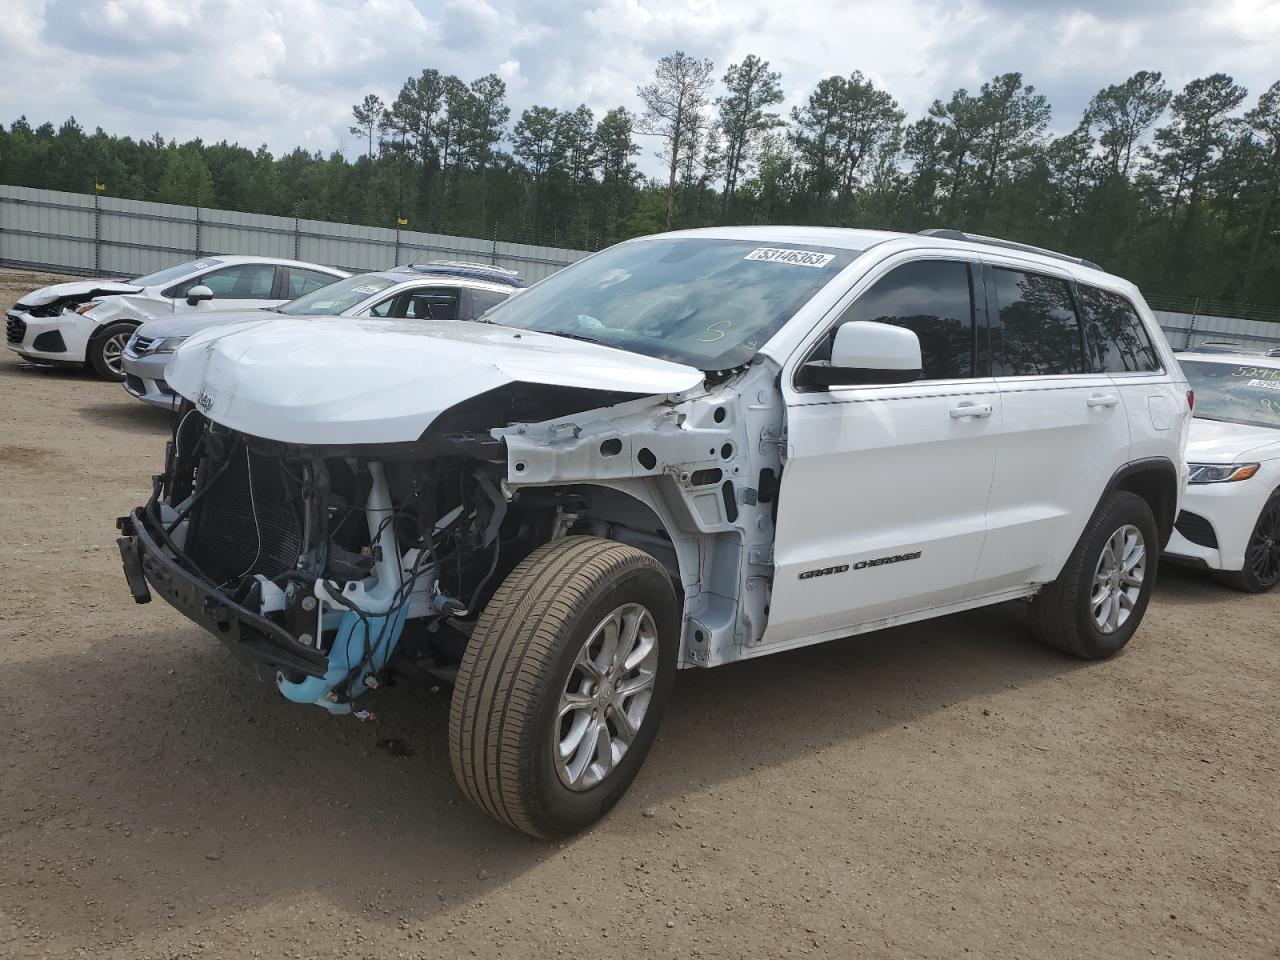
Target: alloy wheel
[(606, 696), (113, 352), (1263, 554), (1117, 579)]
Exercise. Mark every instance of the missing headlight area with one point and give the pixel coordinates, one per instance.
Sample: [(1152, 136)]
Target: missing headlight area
[(337, 550)]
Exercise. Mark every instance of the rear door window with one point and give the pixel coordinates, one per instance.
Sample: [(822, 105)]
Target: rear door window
[(932, 298), (1116, 340), (1038, 332)]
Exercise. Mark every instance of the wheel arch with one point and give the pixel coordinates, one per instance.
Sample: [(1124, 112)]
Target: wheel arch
[(705, 565), (100, 330), (1155, 480), (625, 512)]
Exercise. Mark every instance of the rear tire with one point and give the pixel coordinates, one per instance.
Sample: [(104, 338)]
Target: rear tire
[(531, 681), (1262, 556), (1099, 598), (106, 350)]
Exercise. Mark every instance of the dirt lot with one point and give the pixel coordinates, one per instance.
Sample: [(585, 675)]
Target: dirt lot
[(933, 791)]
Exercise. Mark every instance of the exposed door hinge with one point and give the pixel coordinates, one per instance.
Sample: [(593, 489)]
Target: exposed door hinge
[(774, 435)]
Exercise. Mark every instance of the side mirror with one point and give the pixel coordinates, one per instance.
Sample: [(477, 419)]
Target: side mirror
[(865, 352), (198, 294)]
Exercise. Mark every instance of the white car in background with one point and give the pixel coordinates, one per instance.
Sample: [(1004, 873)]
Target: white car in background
[(1230, 519), (89, 321), (441, 290)]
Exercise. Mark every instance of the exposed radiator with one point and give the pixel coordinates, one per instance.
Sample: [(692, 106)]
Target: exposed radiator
[(247, 522)]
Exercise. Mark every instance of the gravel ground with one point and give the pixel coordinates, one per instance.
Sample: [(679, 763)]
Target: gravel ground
[(937, 790)]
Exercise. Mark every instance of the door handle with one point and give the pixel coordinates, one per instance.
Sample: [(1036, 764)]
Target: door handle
[(1103, 400), (972, 411)]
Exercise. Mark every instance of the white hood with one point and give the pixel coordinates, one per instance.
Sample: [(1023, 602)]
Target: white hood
[(338, 380), (77, 288), (1218, 441)]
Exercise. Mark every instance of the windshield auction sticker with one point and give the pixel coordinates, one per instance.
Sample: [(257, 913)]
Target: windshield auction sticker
[(797, 258)]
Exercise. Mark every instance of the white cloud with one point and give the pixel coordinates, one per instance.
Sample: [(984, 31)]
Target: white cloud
[(285, 72)]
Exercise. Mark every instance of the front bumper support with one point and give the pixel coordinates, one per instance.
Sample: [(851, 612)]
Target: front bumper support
[(257, 640)]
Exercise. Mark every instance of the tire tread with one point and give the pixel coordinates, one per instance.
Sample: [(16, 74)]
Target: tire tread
[(1053, 608), (94, 356), (507, 662)]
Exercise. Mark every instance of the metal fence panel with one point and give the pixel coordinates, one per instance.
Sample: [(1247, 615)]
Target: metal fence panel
[(1187, 330), (110, 236)]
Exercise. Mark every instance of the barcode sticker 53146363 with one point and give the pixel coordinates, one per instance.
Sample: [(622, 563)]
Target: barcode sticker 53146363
[(797, 258)]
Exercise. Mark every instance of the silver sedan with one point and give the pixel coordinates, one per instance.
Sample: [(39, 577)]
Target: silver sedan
[(431, 291)]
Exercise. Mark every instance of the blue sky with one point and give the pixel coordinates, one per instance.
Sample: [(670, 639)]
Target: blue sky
[(285, 72)]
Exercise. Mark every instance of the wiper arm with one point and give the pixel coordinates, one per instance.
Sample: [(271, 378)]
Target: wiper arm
[(575, 336)]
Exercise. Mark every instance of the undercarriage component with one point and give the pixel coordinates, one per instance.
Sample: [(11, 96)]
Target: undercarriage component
[(310, 561), (369, 618), (246, 524)]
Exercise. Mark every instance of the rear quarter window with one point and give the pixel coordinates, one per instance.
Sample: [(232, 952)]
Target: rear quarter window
[(1117, 342), (484, 300)]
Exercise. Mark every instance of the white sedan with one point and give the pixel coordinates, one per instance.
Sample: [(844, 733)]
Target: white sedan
[(1230, 519), (89, 321)]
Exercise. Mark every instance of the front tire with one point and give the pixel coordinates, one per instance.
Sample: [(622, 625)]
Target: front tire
[(563, 685), (1101, 595), (106, 351), (1262, 556)]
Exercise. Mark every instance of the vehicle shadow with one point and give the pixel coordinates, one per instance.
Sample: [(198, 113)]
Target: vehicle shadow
[(61, 371), (1185, 586), (157, 772), (127, 414)]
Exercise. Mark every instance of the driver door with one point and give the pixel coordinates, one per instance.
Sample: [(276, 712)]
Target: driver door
[(883, 495), (242, 286)]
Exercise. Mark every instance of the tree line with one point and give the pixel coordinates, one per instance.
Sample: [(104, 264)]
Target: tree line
[(1178, 190)]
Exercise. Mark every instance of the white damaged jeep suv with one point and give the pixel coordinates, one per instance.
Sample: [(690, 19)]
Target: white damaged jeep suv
[(683, 451)]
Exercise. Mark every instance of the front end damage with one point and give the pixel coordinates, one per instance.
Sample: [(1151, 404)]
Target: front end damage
[(326, 566), (50, 326)]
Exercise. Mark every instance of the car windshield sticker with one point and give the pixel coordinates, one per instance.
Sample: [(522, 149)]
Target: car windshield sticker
[(1265, 384), (1268, 373), (367, 289), (797, 258)]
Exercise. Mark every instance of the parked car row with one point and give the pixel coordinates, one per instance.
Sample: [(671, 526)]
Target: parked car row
[(89, 321), (125, 330), (683, 451)]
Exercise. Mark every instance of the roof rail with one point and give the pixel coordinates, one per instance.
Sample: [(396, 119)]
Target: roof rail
[(479, 271), (467, 263), (944, 233)]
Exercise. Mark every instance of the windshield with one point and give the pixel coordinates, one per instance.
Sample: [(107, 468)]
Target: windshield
[(338, 296), (708, 303), (1235, 392), (169, 274)]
